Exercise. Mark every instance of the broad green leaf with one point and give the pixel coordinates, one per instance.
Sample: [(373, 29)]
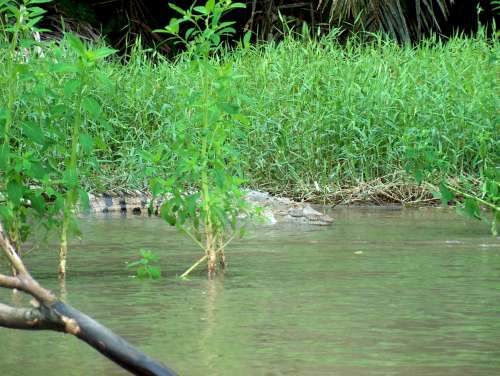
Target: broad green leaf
[(209, 5), (237, 5), (156, 187), (133, 263), (92, 107), (492, 188), (189, 32), (76, 44), (165, 213), (222, 25), (446, 194), (242, 119), (246, 39), (40, 90), (37, 170), (22, 69), (242, 232), (106, 125), (100, 143), (173, 25), (4, 114), (141, 273), (6, 214), (419, 176), (471, 208), (200, 9), (154, 272), (35, 11), (177, 9), (38, 203), (226, 31), (229, 108), (102, 53), (71, 86), (58, 202), (15, 192), (84, 200), (59, 109), (65, 68), (34, 132), (74, 227), (32, 22), (215, 39), (86, 142)]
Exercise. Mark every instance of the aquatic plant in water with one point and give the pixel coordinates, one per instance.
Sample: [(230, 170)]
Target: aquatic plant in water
[(203, 195), (144, 267), (40, 173)]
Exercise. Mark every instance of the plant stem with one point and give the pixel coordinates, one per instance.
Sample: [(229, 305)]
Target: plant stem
[(485, 203), (71, 194), (210, 236), (194, 266), (14, 231)]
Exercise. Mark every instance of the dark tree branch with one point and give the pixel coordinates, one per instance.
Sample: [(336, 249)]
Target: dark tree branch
[(26, 318)]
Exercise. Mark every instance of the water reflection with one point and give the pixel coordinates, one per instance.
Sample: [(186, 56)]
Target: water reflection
[(211, 321)]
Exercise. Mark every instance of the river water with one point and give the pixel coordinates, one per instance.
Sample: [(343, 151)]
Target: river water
[(381, 292)]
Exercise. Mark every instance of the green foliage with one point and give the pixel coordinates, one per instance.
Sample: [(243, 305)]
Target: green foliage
[(205, 29), (40, 173), (144, 267), (314, 112), (483, 204), (19, 167), (317, 111), (203, 196)]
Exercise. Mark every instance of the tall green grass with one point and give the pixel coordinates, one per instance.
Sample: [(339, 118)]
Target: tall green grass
[(322, 115)]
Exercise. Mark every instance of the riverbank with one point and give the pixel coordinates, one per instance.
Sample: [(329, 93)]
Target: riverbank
[(322, 122)]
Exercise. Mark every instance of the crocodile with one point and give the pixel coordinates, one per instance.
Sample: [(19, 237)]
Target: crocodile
[(274, 209)]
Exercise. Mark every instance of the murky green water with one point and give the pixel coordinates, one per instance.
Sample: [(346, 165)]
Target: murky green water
[(382, 292)]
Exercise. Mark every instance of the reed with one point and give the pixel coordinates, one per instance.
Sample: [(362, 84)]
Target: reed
[(323, 117)]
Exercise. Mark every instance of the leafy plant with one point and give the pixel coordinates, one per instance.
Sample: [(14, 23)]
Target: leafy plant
[(39, 175), (19, 166), (203, 195), (144, 267), (86, 108), (469, 203), (205, 29), (470, 195)]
